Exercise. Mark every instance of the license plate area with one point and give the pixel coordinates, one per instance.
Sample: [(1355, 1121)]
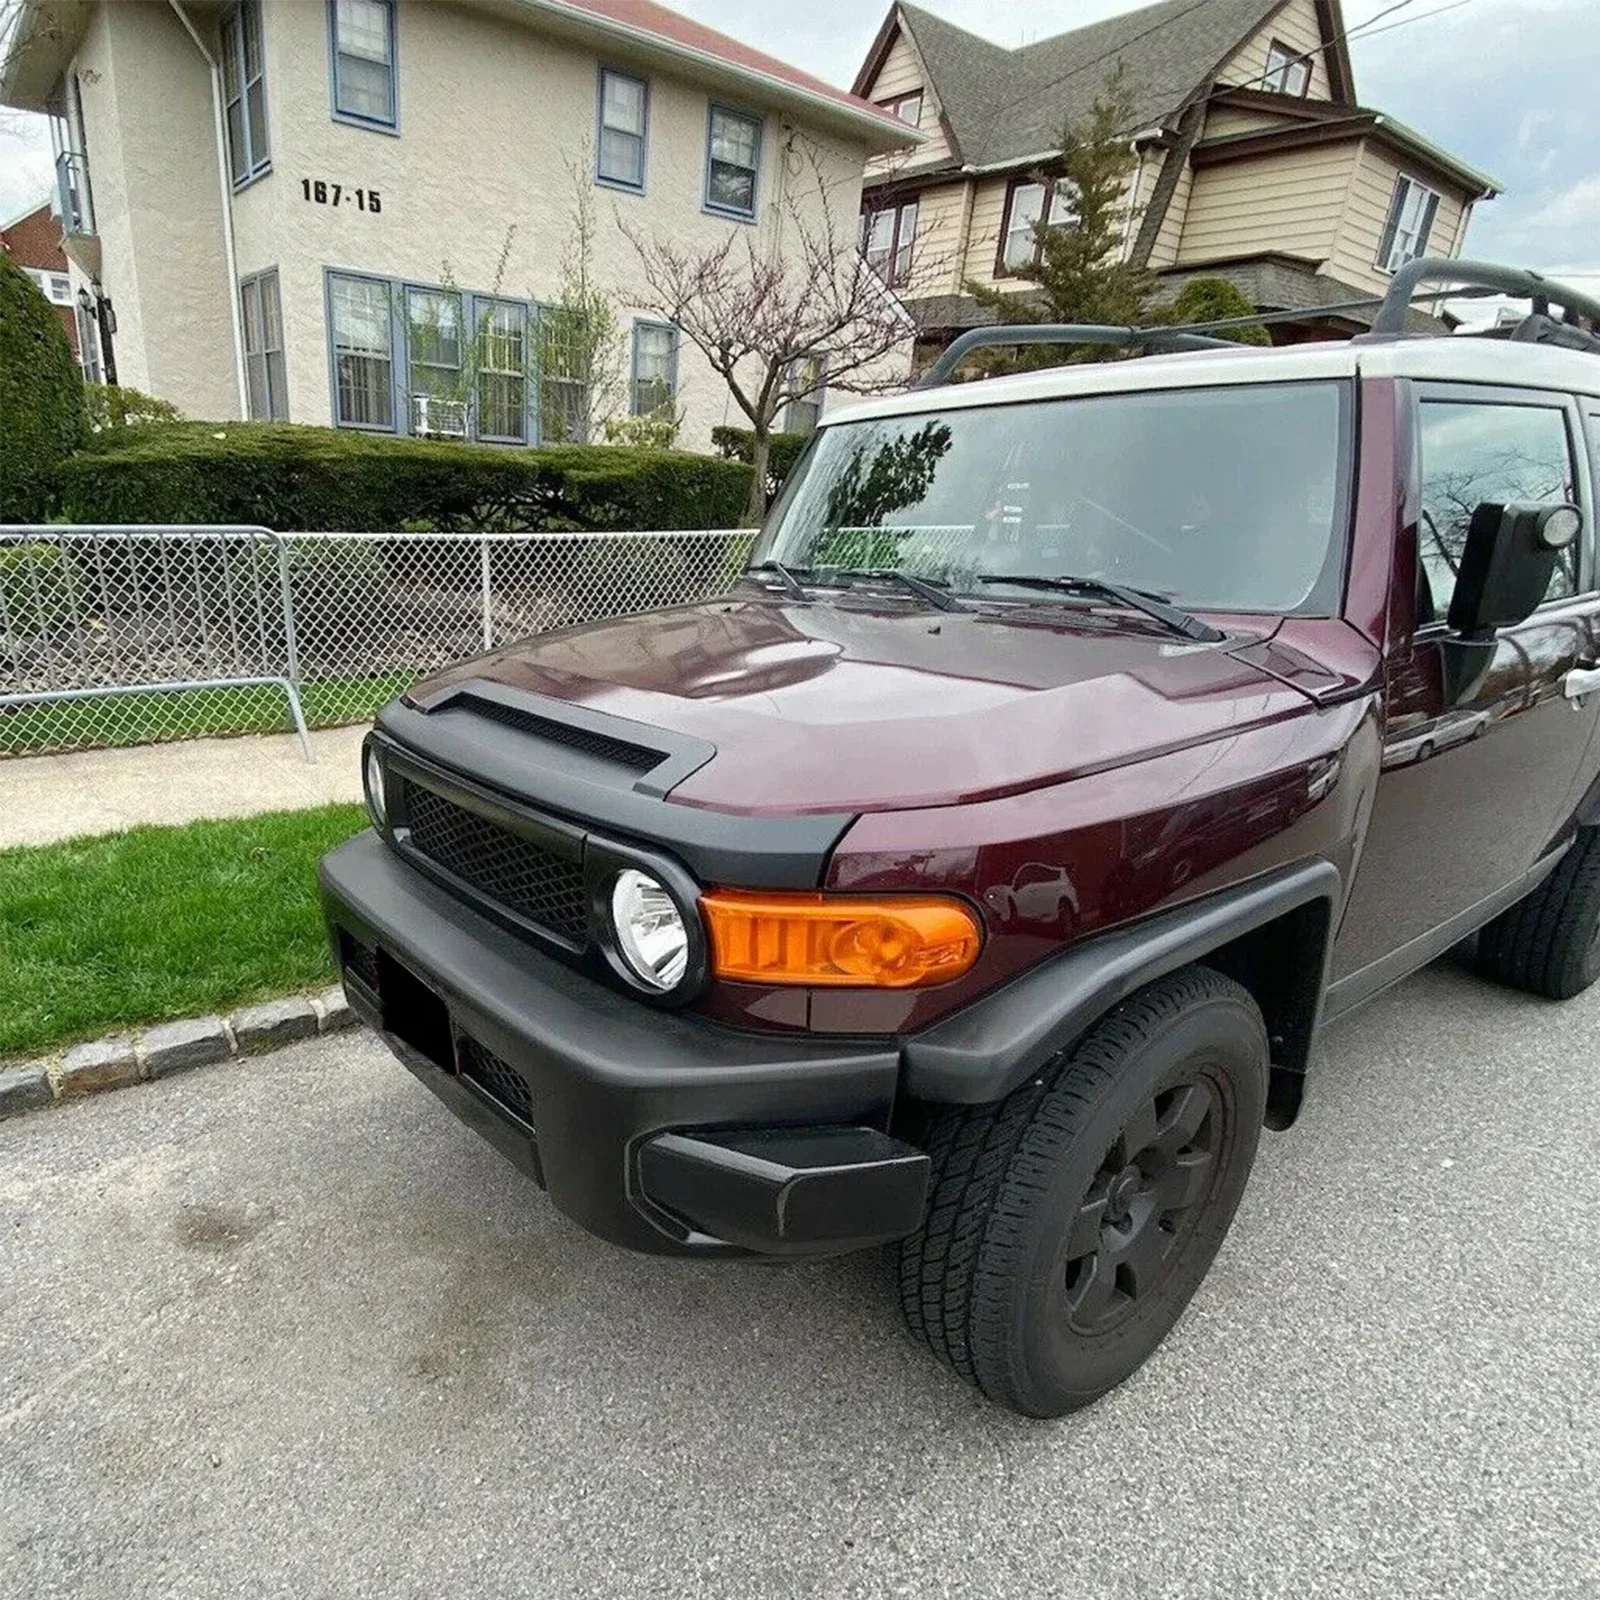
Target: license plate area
[(414, 1013)]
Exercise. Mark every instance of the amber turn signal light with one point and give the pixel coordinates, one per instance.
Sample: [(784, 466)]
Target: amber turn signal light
[(892, 942)]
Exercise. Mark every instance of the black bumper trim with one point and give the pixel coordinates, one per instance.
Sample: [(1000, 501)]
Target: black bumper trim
[(789, 1191), (604, 1074)]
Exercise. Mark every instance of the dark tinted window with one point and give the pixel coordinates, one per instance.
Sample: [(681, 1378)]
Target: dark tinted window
[(1227, 499), (1474, 452)]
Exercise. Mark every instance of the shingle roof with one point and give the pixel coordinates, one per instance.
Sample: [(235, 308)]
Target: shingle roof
[(1007, 105)]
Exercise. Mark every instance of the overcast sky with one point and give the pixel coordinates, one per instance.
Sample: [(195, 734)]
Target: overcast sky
[(1509, 85)]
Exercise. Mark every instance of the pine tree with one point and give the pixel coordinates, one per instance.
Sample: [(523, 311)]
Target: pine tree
[(1080, 275)]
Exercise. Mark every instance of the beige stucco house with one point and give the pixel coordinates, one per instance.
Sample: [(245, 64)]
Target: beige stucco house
[(1255, 161), (318, 209)]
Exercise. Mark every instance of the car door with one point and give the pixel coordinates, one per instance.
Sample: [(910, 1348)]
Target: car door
[(1482, 752)]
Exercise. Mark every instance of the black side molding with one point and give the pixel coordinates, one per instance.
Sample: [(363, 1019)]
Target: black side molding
[(789, 1191), (986, 1050)]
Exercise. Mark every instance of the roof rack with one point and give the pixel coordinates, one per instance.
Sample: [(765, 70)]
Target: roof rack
[(1481, 277), (1063, 333)]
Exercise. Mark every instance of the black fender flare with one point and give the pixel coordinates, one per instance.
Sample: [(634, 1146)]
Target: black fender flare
[(982, 1052)]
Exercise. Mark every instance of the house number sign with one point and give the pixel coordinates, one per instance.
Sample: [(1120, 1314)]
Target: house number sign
[(322, 193)]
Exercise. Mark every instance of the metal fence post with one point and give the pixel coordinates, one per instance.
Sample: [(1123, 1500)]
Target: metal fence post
[(485, 579), (291, 649)]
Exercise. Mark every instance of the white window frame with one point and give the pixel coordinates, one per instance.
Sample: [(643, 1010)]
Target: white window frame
[(362, 119), (1404, 245), (637, 384), (1288, 71), (262, 325), (390, 356), (1057, 204), (892, 259), (602, 128), (716, 207), (241, 90), (485, 307)]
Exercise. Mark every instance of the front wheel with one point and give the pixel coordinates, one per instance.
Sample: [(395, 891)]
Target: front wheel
[(1069, 1224)]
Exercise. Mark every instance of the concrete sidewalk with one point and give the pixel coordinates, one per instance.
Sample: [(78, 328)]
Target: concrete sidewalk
[(46, 798)]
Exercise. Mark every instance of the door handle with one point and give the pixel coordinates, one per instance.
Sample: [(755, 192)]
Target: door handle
[(1581, 681)]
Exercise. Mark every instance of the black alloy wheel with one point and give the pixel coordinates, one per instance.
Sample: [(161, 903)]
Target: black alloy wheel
[(1069, 1224)]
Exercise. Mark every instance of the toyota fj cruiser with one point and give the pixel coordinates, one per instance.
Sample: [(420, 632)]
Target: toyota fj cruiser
[(976, 875)]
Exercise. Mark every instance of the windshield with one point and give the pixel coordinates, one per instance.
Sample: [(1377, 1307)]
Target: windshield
[(1223, 499)]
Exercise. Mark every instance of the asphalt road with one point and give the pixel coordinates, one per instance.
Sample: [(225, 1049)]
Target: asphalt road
[(287, 1329)]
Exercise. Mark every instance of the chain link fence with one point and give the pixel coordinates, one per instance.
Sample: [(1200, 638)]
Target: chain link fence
[(116, 636)]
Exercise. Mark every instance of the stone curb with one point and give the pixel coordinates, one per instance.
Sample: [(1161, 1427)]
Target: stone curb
[(122, 1059)]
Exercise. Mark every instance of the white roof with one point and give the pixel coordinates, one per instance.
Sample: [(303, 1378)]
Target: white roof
[(1447, 358)]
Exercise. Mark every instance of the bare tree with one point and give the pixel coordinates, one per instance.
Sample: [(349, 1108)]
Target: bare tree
[(780, 313)]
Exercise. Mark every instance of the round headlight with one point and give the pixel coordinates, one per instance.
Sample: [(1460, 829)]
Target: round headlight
[(651, 935), (377, 801)]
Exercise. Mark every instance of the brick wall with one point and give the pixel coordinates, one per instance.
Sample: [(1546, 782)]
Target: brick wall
[(35, 241)]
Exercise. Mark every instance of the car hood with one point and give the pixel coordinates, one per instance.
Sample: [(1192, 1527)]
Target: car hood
[(856, 706)]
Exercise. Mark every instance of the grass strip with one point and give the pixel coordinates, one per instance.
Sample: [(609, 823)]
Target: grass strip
[(156, 923)]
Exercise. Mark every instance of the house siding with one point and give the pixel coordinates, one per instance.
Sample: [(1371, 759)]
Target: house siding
[(937, 263), (467, 178), (1294, 24), (1170, 236), (1354, 257), (902, 71), (1291, 202)]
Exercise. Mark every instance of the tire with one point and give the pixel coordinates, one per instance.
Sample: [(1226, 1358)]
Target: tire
[(1163, 1098), (1549, 943)]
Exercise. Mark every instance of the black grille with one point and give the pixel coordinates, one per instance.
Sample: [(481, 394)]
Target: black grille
[(495, 1077), (620, 752), (523, 876), (360, 959)]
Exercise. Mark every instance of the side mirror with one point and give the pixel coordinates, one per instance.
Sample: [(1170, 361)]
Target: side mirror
[(1509, 560)]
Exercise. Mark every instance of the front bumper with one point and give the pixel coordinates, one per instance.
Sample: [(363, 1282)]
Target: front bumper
[(658, 1131)]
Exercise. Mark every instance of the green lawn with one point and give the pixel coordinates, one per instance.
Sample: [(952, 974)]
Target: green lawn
[(158, 923), (141, 718)]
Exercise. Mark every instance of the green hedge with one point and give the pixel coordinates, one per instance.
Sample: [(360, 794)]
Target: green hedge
[(35, 588), (114, 407), (739, 444), (42, 417), (299, 479)]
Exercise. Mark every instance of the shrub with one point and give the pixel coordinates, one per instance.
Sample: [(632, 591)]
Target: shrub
[(42, 418), (1216, 300), (739, 444), (112, 407), (35, 588), (300, 479), (656, 430)]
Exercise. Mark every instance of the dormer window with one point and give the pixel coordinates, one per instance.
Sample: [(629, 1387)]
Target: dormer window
[(908, 107), (1288, 72)]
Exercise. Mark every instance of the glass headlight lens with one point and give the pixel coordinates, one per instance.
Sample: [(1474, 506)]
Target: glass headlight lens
[(650, 931), (377, 800)]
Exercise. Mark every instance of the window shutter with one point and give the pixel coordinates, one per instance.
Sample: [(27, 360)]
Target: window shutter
[(1392, 226), (1425, 231)]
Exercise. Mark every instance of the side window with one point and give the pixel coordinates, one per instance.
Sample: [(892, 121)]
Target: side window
[(363, 352), (263, 347), (619, 154), (733, 160), (245, 91), (363, 45), (1476, 451)]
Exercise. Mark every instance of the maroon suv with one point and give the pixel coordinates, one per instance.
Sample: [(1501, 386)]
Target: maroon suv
[(975, 876)]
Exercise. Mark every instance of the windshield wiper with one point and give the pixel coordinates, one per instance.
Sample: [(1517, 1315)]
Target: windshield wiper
[(934, 593), (1134, 599), (785, 575)]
